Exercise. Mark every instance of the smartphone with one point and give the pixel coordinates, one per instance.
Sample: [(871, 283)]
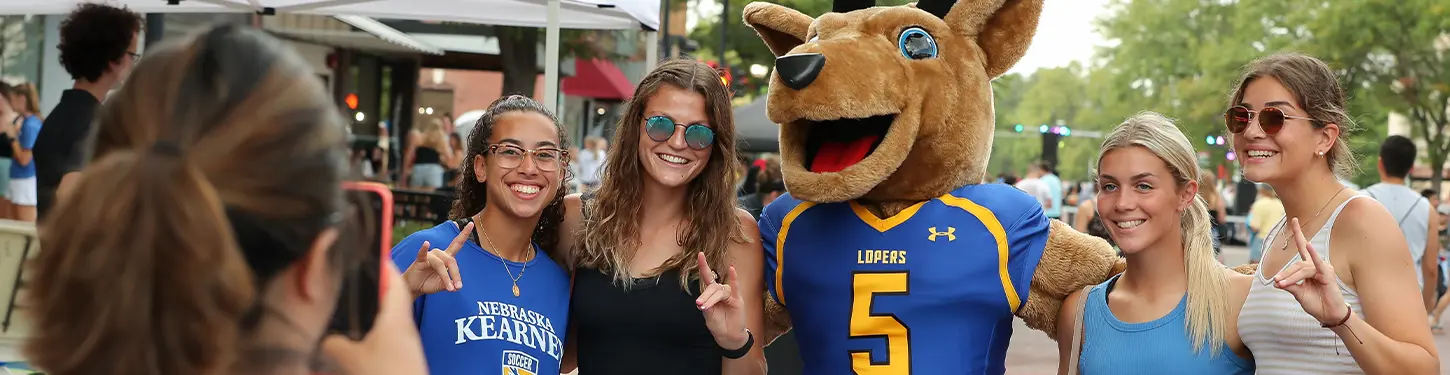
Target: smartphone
[(362, 288)]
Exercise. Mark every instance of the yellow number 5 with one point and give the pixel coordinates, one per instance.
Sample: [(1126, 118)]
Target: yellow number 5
[(865, 324)]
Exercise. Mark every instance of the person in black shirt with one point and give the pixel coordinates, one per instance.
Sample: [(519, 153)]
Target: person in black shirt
[(98, 48)]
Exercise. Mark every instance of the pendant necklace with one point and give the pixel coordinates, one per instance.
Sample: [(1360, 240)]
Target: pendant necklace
[(501, 260), (1285, 231)]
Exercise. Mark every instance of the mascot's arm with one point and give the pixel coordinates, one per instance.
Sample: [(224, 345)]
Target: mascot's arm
[(1070, 260), (777, 321)]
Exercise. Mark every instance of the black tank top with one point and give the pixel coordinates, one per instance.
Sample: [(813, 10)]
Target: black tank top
[(425, 155), (653, 328)]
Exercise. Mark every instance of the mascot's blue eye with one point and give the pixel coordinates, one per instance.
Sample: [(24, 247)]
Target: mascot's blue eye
[(916, 44)]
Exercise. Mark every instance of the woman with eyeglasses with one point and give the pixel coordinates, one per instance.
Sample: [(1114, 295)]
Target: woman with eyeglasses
[(472, 318), (1346, 306), (1175, 305), (668, 276)]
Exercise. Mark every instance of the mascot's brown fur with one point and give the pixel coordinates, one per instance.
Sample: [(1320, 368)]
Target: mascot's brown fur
[(940, 115)]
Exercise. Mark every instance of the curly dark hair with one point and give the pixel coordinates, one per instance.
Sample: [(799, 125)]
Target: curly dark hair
[(473, 195), (94, 36)]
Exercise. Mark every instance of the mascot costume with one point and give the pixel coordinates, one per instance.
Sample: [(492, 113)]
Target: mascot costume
[(889, 255)]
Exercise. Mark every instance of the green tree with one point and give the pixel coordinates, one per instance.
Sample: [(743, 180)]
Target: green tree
[(1395, 55), (743, 47)]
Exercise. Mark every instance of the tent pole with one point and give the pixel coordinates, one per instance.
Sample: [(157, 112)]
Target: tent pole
[(651, 50), (551, 59)]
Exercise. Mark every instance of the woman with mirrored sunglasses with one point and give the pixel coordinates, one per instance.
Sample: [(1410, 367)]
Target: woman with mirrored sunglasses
[(668, 272), (1320, 307)]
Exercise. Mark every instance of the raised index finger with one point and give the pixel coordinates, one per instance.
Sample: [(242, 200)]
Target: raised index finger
[(1305, 253), (460, 240), (707, 276)]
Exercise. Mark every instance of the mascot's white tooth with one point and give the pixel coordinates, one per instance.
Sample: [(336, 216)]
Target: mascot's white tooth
[(915, 242)]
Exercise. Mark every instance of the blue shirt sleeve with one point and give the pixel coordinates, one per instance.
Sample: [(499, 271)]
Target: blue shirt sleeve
[(1026, 238), (769, 232), (29, 130)]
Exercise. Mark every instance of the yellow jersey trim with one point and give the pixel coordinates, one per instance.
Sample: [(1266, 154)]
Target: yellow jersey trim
[(994, 227), (780, 248), (883, 225)]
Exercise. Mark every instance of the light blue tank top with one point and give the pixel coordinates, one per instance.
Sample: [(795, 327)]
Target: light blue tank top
[(1111, 346)]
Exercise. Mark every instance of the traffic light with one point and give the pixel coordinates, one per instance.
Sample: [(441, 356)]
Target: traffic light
[(1017, 128), (1066, 131), (1042, 129)]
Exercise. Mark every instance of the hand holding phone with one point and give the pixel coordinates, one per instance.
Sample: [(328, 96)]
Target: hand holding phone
[(392, 347), (362, 288), (436, 270)]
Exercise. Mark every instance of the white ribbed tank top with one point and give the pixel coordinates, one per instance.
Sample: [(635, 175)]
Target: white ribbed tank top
[(1286, 340)]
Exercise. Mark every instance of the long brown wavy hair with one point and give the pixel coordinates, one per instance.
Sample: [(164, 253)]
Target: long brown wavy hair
[(473, 195), (215, 169), (612, 229)]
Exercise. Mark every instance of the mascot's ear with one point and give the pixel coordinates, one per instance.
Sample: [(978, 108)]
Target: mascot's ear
[(781, 28), (1002, 28)]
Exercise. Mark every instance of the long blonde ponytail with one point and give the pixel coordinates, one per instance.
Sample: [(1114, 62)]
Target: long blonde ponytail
[(1208, 304)]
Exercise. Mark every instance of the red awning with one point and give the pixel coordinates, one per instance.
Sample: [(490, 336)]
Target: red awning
[(597, 79)]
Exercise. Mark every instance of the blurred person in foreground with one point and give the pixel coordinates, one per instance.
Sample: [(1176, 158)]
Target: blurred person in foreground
[(204, 237), (98, 45)]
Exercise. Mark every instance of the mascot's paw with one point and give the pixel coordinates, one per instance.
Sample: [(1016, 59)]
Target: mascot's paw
[(1071, 261), (1247, 269), (777, 321)]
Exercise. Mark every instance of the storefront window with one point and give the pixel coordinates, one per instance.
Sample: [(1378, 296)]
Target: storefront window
[(21, 44)]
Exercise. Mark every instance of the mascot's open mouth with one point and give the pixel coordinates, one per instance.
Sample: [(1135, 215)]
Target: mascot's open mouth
[(833, 145)]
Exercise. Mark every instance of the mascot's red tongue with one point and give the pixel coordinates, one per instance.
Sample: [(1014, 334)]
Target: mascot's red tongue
[(835, 156)]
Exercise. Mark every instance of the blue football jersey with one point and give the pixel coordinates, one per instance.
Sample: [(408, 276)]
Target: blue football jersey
[(931, 290)]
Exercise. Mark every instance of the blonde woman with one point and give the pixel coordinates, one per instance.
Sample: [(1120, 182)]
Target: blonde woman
[(428, 156), (1175, 306)]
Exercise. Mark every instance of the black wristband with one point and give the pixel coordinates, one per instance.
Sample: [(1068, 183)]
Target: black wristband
[(744, 349)]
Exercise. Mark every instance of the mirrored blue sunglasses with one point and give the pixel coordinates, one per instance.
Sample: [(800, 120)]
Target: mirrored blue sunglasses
[(697, 136)]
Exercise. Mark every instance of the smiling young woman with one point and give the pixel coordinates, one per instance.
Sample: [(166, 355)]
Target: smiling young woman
[(1356, 295), (645, 298), (1175, 306)]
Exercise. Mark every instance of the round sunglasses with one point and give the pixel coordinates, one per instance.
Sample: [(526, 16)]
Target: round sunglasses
[(1271, 119), (661, 128)]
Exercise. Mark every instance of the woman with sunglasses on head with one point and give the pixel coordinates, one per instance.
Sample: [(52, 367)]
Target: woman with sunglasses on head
[(210, 232), (1351, 305), (1175, 306), (647, 295), (472, 318)]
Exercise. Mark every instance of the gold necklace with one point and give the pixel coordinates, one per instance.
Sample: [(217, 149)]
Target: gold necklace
[(505, 264), (1285, 231)]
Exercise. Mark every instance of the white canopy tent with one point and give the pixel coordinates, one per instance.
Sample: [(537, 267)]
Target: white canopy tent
[(549, 14)]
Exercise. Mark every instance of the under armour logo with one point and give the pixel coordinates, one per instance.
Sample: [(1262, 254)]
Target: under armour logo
[(950, 233)]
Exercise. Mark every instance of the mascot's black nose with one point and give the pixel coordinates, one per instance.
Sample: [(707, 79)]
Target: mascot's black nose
[(798, 70)]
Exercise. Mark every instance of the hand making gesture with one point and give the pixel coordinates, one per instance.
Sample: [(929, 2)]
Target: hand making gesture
[(722, 305), (436, 270), (1312, 281)]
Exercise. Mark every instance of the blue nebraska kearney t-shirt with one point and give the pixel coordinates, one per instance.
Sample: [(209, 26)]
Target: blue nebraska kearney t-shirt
[(483, 326)]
